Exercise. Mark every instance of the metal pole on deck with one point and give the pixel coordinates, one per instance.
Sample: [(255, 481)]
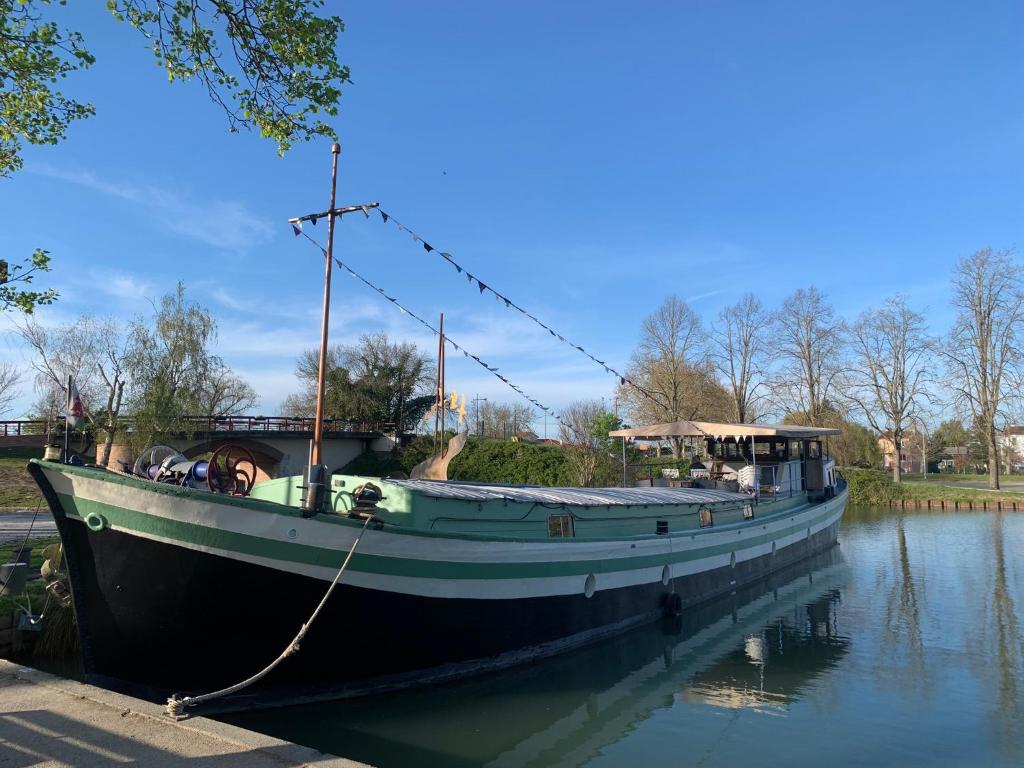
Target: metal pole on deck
[(753, 460), (623, 461)]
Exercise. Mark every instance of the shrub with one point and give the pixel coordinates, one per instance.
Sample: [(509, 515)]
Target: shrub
[(871, 486)]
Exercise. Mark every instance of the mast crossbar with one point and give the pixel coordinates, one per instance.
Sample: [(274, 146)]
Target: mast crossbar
[(334, 212)]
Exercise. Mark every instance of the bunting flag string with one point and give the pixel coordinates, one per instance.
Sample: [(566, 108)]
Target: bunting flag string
[(510, 304), (405, 310)]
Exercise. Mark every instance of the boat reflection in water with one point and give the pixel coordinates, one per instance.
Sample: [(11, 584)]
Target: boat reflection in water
[(756, 649)]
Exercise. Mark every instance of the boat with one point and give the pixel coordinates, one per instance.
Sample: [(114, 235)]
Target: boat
[(190, 582), (180, 589)]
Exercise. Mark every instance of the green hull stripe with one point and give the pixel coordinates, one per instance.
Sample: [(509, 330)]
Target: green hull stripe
[(289, 552)]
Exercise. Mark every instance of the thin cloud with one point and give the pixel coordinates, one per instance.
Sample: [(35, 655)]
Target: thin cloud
[(226, 224)]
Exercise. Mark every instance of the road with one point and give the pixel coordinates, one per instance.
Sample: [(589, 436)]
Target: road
[(14, 526)]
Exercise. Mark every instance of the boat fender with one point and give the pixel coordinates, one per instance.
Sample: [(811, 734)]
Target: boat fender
[(673, 604), (95, 522)]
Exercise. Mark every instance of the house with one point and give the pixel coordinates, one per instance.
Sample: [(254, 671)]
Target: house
[(1011, 448), (954, 458), (911, 455)]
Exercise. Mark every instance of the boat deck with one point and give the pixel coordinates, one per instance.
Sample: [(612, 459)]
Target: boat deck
[(582, 497)]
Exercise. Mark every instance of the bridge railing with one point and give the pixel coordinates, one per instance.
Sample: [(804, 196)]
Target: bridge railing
[(22, 427), (282, 424), (203, 424)]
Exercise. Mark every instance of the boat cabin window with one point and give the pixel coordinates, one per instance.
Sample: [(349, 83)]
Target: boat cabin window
[(560, 526), (794, 450), (706, 519), (813, 449)]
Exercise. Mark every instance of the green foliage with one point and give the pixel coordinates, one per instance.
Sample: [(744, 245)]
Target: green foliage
[(34, 55), (871, 486), (12, 279), (280, 71), (374, 380), (502, 461), (168, 364), (482, 460)]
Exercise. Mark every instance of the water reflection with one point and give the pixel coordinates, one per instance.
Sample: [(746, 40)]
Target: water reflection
[(757, 650), (1009, 644)]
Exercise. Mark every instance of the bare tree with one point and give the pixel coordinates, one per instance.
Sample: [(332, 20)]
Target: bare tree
[(92, 352), (500, 420), (889, 378), (740, 346), (983, 351), (674, 376), (225, 393), (10, 377), (585, 448), (810, 342)]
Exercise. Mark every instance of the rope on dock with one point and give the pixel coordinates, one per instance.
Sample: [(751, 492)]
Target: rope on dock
[(176, 704)]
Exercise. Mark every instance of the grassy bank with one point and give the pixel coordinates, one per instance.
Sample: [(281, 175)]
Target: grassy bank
[(36, 587), (17, 488), (873, 487)]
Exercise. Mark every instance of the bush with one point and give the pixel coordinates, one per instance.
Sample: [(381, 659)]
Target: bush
[(871, 486), (501, 461), (481, 460)]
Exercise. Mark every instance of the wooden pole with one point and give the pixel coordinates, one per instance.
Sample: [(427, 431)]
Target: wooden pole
[(315, 478)]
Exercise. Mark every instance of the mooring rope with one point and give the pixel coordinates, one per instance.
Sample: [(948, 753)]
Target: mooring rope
[(176, 705)]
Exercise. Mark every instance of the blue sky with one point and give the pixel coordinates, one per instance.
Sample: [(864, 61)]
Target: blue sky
[(585, 159)]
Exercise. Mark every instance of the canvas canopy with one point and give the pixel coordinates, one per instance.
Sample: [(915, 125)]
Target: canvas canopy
[(721, 431)]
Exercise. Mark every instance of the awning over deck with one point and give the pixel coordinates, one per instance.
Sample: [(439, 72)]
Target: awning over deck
[(721, 431)]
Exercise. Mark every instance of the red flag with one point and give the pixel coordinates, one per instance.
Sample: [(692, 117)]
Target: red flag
[(75, 410)]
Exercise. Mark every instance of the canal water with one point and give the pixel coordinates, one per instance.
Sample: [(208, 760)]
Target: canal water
[(901, 646)]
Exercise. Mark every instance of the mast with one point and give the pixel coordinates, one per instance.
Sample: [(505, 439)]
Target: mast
[(314, 500)]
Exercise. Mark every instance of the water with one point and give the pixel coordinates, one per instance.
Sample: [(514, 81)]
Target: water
[(902, 646)]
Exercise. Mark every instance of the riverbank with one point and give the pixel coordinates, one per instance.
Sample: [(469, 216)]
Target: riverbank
[(17, 489), (46, 720), (872, 487)]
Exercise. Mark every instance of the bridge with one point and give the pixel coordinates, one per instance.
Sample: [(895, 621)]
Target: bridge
[(279, 444)]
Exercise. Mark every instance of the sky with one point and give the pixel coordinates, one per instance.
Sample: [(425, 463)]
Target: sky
[(585, 159)]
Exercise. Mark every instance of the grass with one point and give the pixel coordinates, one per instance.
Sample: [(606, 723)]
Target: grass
[(873, 487), (17, 488), (948, 479), (36, 587), (933, 491)]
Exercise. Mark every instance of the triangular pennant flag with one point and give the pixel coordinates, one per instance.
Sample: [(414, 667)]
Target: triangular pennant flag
[(552, 332), (481, 286), (383, 215), (427, 246), (366, 211), (312, 220), (508, 303), (560, 337), (622, 380), (469, 277), (296, 229)]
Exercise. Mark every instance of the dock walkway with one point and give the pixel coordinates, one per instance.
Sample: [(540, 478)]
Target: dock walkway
[(49, 721)]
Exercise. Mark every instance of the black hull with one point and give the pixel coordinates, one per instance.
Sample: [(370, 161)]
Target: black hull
[(157, 619)]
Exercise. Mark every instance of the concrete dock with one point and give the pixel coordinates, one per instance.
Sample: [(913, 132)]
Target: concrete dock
[(49, 721)]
